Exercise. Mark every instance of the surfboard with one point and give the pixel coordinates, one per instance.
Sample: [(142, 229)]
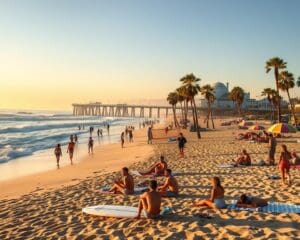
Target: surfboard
[(136, 173), (115, 211)]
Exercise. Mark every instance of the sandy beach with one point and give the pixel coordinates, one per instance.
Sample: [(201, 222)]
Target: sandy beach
[(52, 208)]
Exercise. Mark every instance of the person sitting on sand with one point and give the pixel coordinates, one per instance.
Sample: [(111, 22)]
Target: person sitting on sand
[(216, 199), (150, 202), (170, 187), (251, 202), (58, 154), (295, 159), (244, 159), (284, 164), (126, 185), (157, 168)]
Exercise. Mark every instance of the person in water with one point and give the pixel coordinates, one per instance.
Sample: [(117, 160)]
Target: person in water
[(157, 168), (284, 164), (58, 154), (244, 159), (91, 146), (170, 187), (126, 185), (70, 150), (181, 143), (216, 199), (251, 202), (150, 202)]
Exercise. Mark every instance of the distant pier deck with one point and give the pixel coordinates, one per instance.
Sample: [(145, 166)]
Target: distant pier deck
[(122, 110)]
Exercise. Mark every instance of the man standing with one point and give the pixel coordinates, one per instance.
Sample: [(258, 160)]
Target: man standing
[(150, 135), (272, 149), (181, 143), (91, 145)]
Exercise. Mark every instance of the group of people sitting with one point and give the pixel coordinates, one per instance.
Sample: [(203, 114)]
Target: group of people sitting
[(262, 137), (150, 201)]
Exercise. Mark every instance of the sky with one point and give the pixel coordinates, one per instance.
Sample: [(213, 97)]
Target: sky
[(55, 53)]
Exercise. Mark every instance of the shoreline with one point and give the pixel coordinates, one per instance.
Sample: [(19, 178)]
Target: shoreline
[(85, 167)]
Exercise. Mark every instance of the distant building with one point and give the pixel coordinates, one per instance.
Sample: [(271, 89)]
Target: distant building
[(221, 92)]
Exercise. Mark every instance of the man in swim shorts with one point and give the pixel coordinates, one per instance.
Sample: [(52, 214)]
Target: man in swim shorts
[(170, 187), (157, 168), (126, 185), (150, 202)]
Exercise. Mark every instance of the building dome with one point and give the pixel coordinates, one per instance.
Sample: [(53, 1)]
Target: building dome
[(220, 90)]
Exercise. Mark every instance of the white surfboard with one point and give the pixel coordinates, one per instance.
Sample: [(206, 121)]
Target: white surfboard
[(136, 173), (115, 211)]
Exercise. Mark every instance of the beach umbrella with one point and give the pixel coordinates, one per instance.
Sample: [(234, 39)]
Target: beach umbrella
[(256, 127), (282, 128)]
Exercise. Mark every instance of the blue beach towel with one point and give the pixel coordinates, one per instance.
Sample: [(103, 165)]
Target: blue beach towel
[(273, 207)]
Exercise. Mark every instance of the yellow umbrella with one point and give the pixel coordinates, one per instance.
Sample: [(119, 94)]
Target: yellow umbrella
[(282, 128)]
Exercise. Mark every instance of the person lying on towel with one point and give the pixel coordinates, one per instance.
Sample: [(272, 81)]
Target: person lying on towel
[(251, 202), (126, 185), (170, 187), (157, 168), (150, 202)]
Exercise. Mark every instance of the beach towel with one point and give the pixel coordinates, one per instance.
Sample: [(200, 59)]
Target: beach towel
[(273, 207), (137, 190)]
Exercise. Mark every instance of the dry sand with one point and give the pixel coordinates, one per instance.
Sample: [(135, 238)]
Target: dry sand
[(56, 214)]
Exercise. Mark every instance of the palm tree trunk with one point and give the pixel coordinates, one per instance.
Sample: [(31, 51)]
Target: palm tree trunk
[(211, 117), (292, 107), (196, 118), (208, 112), (174, 115), (276, 72)]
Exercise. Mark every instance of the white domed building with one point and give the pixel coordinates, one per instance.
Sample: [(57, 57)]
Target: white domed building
[(221, 92)]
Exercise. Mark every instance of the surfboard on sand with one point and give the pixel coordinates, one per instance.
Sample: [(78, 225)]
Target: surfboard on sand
[(136, 173), (115, 211)]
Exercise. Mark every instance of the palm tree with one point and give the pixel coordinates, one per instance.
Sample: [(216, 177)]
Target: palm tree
[(237, 95), (277, 64), (298, 82), (190, 83), (272, 97), (286, 82), (208, 92), (182, 98), (172, 99)]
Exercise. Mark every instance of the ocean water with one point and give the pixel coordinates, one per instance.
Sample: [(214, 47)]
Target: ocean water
[(29, 133)]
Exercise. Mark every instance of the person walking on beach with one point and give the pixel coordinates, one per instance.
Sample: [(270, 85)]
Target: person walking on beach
[(91, 145), (122, 139), (101, 132), (107, 127), (284, 164), (150, 135), (272, 149), (75, 138), (150, 202), (70, 150), (58, 154), (71, 138), (98, 132), (181, 143), (130, 132)]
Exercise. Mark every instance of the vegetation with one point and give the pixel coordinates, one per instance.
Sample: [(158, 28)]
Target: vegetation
[(237, 95), (272, 97), (276, 64), (207, 92), (173, 100), (287, 82)]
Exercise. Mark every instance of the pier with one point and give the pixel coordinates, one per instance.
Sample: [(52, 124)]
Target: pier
[(122, 110)]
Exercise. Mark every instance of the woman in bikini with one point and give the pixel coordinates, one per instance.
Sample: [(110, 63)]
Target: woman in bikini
[(216, 197), (284, 164)]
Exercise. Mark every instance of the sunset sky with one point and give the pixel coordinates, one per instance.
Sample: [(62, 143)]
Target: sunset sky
[(54, 53)]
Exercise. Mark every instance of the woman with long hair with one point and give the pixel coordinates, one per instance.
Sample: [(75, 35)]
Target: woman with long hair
[(284, 164), (216, 199)]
